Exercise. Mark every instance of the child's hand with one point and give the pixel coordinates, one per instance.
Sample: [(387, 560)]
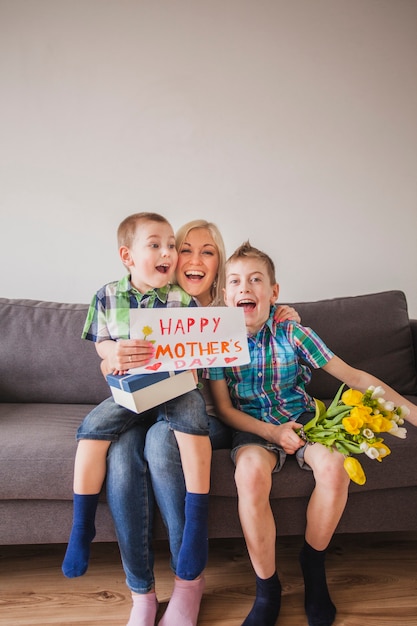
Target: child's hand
[(285, 435), (284, 312)]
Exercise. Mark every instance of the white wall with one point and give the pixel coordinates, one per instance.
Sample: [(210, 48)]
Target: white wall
[(292, 123)]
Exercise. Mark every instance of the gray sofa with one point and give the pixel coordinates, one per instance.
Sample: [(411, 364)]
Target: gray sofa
[(50, 379)]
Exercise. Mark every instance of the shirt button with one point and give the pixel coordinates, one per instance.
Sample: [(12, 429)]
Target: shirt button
[(259, 374), (259, 345)]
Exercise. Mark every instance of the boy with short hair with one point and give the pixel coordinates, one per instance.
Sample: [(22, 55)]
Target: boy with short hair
[(147, 249), (266, 402)]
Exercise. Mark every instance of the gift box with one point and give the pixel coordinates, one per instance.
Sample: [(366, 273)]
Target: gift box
[(140, 392)]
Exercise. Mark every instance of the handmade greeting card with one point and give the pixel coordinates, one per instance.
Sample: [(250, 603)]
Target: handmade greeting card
[(191, 338), (185, 339)]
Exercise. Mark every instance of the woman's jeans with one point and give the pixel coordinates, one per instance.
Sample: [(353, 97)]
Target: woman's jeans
[(146, 461)]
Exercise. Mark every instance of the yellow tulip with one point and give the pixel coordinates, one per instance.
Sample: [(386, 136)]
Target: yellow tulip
[(379, 424), (361, 411), (351, 397), (354, 470), (352, 424)]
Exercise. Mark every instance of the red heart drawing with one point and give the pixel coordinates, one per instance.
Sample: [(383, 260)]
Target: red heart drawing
[(153, 367), (229, 359)]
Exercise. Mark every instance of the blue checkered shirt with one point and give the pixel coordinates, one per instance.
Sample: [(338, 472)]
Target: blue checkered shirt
[(108, 315), (272, 386)]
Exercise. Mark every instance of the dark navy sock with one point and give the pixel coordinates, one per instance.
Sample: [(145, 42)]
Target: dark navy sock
[(319, 608), (267, 603), (193, 554), (82, 534)]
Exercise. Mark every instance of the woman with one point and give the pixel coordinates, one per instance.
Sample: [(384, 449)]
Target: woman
[(146, 461)]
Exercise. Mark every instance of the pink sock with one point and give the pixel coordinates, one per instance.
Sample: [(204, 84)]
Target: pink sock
[(144, 609), (184, 605)]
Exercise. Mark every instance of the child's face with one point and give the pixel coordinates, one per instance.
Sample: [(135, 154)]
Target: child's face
[(248, 285), (198, 262), (152, 257)]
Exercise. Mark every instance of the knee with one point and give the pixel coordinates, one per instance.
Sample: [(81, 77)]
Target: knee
[(161, 448), (332, 474), (253, 478)]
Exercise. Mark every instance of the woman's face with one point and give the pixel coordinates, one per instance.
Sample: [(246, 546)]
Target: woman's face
[(198, 262)]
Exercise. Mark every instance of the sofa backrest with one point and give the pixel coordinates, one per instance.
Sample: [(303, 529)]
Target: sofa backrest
[(42, 355), (44, 359), (371, 332)]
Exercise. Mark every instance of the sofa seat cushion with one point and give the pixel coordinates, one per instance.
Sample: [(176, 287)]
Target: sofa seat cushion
[(38, 449)]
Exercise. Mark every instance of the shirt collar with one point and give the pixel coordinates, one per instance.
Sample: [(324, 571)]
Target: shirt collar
[(270, 323), (125, 286)]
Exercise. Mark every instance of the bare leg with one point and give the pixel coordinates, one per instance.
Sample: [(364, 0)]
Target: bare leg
[(324, 511), (90, 466), (253, 477), (195, 451), (329, 496)]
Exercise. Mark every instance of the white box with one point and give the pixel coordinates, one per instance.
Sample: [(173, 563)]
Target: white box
[(141, 392)]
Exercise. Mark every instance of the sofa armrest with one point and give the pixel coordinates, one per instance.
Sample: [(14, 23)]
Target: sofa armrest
[(413, 324)]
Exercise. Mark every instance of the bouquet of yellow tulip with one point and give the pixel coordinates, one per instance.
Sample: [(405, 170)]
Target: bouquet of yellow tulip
[(351, 425)]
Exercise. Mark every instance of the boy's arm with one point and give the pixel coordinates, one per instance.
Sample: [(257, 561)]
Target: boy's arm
[(360, 380), (282, 434)]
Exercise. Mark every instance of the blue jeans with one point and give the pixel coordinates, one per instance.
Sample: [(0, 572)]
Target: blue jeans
[(144, 460), (162, 455)]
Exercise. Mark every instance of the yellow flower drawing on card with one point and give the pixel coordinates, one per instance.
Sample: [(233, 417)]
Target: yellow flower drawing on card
[(147, 331)]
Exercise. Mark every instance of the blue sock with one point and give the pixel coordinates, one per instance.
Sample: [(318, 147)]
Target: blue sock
[(319, 608), (82, 534), (193, 554), (267, 603)]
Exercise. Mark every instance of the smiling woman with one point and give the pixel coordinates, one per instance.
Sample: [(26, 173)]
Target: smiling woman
[(201, 261)]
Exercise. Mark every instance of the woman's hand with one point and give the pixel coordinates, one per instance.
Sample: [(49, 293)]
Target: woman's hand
[(285, 313), (120, 356)]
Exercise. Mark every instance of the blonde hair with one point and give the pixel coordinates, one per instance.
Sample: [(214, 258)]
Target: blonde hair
[(245, 250), (216, 291), (127, 228)]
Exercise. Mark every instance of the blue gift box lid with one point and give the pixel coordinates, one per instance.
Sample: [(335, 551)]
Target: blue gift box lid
[(134, 382)]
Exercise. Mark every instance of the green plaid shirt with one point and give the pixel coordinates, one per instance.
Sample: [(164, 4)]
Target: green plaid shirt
[(108, 315), (272, 387)]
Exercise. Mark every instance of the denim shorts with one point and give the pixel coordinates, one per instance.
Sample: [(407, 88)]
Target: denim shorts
[(241, 439), (107, 421)]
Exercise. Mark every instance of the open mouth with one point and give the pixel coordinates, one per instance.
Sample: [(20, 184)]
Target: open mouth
[(163, 269), (247, 305), (194, 275)]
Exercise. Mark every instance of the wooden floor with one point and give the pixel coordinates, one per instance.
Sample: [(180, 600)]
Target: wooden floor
[(373, 582)]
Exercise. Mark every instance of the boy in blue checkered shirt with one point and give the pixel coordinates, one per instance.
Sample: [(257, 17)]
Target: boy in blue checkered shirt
[(147, 249), (266, 402)]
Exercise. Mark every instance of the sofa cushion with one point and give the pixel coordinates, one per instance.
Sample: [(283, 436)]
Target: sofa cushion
[(370, 332), (42, 356), (37, 450)]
